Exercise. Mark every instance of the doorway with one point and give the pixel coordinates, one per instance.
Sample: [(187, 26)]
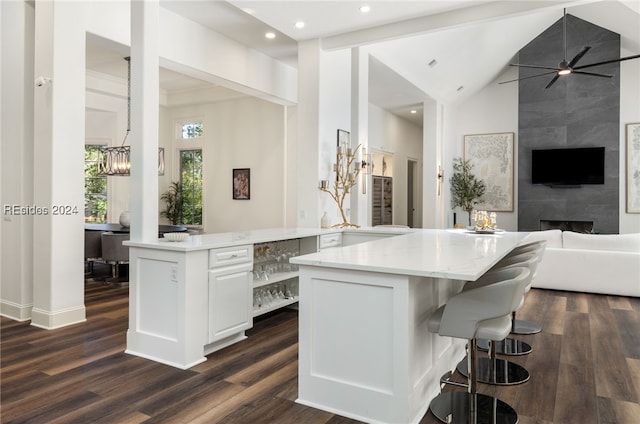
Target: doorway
[(412, 192)]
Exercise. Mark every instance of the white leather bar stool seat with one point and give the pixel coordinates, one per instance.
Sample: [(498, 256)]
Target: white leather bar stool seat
[(484, 311), (494, 370), (529, 259), (511, 346), (520, 326)]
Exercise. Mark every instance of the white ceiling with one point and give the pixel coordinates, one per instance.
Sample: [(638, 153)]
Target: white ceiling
[(472, 41)]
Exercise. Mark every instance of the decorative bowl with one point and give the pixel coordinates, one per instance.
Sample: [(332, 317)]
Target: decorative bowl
[(176, 236)]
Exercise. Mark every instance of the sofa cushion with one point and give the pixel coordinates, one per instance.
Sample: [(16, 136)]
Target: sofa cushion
[(616, 242), (553, 238)]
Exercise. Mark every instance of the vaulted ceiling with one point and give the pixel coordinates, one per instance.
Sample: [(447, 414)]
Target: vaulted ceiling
[(468, 43)]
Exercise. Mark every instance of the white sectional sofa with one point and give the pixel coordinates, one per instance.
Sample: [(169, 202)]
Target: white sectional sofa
[(594, 263)]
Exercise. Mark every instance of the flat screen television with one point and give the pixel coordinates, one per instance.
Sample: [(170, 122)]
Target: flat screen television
[(568, 167)]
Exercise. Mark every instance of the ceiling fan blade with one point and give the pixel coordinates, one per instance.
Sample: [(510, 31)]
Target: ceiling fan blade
[(607, 61), (577, 57), (552, 81), (524, 78), (533, 66), (592, 74)]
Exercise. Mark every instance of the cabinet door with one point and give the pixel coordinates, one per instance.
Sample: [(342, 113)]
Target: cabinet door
[(230, 301)]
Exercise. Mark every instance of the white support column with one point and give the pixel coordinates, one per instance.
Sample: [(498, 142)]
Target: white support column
[(144, 119), (58, 274), (16, 158), (360, 129), (308, 133), (433, 204)]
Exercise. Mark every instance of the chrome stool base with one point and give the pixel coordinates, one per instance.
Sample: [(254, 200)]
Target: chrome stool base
[(511, 347), (463, 407), (497, 372), (525, 327)]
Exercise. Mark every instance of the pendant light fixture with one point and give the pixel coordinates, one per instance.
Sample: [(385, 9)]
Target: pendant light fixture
[(116, 160)]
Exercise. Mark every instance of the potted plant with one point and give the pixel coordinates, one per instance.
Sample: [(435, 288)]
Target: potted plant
[(173, 202), (466, 189)]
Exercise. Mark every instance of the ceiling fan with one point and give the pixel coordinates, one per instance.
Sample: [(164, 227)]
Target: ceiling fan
[(568, 67)]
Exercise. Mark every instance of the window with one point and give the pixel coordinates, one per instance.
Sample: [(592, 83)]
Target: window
[(191, 130), (95, 187), (191, 181)]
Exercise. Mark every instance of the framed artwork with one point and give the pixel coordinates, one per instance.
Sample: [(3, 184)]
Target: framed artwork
[(242, 184), (343, 137), (492, 158), (633, 168)]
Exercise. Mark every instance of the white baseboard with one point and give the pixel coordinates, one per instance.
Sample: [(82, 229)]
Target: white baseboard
[(50, 320), (15, 311)]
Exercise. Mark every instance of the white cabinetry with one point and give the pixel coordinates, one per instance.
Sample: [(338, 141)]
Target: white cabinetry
[(230, 292), (275, 280), (330, 240)]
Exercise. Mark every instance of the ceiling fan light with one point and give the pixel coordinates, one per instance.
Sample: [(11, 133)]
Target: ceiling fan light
[(563, 72)]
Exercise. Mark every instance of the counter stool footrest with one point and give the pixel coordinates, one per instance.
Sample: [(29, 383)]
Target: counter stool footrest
[(446, 379), (508, 346), (497, 372), (525, 327)]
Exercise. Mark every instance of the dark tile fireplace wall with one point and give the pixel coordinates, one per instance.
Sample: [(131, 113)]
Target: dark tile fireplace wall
[(577, 111)]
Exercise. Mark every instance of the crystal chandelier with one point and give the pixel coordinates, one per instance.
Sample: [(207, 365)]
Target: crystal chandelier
[(116, 160)]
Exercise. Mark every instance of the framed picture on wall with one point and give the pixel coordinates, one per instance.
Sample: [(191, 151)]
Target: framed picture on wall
[(633, 168), (343, 138), (242, 184), (492, 158)]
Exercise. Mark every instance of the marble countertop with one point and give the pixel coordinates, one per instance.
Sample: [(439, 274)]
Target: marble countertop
[(454, 254), (218, 240)]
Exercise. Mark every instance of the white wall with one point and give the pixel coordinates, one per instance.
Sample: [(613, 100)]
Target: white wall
[(493, 109), (629, 113), (240, 133), (401, 140), (16, 180)]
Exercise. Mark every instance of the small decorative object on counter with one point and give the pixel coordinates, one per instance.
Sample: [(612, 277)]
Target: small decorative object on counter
[(324, 221), (484, 221), (125, 219), (347, 168)]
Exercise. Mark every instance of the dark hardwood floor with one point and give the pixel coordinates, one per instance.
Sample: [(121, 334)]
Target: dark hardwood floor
[(585, 369)]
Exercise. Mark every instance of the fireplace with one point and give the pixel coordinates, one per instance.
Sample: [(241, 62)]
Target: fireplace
[(575, 226)]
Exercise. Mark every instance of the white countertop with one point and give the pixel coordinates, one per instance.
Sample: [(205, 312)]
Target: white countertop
[(217, 240), (454, 254)]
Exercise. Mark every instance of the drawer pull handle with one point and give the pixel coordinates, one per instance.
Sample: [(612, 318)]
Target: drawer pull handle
[(234, 255)]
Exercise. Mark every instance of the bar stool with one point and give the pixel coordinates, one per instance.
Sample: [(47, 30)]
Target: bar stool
[(494, 370), (520, 326), (511, 346), (484, 312)]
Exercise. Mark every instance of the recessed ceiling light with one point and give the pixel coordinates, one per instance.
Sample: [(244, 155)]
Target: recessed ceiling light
[(365, 9), (270, 35), (413, 111), (299, 24)]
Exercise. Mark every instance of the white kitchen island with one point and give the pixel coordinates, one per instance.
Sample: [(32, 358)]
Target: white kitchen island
[(188, 299), (365, 350)]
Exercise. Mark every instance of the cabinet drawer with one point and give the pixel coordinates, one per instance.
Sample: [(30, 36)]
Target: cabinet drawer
[(330, 240), (230, 255)]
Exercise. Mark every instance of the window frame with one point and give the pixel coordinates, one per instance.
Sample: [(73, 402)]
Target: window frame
[(97, 143), (184, 144)]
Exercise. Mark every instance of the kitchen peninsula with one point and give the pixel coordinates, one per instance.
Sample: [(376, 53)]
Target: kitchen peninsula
[(365, 350), (188, 299)]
